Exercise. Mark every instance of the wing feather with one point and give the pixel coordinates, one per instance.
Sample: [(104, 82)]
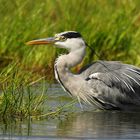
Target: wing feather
[(115, 83)]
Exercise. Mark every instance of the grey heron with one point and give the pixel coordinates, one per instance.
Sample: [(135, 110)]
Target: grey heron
[(109, 85)]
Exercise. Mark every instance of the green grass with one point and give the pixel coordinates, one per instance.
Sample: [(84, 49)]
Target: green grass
[(111, 27), (17, 97)]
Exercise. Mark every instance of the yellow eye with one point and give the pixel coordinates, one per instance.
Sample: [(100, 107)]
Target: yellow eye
[(62, 38)]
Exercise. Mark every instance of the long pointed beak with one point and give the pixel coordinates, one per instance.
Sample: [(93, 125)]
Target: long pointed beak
[(42, 41)]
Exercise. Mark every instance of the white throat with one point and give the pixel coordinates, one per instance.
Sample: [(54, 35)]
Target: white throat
[(72, 59)]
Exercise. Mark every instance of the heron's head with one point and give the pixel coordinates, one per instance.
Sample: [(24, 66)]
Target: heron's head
[(70, 40)]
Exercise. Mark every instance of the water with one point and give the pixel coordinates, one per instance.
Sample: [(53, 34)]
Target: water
[(78, 125)]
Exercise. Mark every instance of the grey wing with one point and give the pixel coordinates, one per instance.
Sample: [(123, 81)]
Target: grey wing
[(114, 85)]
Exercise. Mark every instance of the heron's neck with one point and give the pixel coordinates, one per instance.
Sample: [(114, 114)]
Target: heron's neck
[(70, 60), (62, 72)]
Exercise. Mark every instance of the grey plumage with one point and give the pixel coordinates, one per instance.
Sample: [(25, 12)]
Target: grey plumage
[(118, 84)]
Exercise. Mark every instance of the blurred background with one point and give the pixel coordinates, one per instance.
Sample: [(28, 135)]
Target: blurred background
[(110, 27)]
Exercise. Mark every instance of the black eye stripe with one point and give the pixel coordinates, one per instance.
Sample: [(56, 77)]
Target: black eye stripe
[(72, 35)]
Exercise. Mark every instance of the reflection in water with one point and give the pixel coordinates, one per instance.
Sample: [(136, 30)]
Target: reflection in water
[(101, 124), (14, 127)]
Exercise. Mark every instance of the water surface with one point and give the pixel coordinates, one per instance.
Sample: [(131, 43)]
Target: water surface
[(79, 125)]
